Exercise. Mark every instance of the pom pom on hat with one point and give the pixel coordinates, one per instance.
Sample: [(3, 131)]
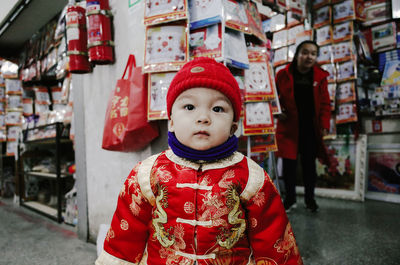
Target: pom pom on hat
[(208, 73)]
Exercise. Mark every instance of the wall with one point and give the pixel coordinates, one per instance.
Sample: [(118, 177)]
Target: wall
[(105, 171)]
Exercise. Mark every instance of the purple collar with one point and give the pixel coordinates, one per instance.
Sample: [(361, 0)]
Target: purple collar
[(222, 151)]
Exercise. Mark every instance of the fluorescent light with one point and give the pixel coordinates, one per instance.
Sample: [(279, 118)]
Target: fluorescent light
[(16, 13)]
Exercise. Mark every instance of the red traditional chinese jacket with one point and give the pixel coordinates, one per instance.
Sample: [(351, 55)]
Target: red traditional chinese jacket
[(174, 211)]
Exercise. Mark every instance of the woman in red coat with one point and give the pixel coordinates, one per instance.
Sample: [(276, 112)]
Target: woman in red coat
[(304, 99)]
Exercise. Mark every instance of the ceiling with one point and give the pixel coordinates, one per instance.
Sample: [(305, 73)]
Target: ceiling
[(33, 15)]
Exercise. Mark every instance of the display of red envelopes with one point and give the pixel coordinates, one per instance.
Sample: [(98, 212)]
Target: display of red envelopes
[(13, 86), (293, 32), (42, 95), (255, 23), (377, 12), (279, 39), (296, 6), (281, 3), (326, 54), (324, 35), (348, 10), (280, 56), (11, 148), (14, 103), (27, 106), (343, 51), (346, 92), (343, 31), (278, 22), (2, 122), (263, 143), (206, 42), (322, 16), (204, 13), (331, 69), (292, 19), (258, 78), (320, 3), (158, 88), (166, 48), (13, 133), (159, 11), (346, 71), (13, 118), (258, 118), (235, 49), (3, 97), (346, 113), (305, 35), (235, 15)]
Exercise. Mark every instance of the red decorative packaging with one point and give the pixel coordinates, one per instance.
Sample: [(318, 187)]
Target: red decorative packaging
[(126, 127)]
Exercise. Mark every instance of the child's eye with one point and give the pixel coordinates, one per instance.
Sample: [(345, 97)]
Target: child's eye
[(189, 107), (218, 109)]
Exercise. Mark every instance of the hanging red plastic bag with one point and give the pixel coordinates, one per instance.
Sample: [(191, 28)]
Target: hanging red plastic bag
[(126, 127)]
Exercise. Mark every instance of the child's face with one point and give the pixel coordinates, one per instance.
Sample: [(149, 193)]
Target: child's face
[(202, 118)]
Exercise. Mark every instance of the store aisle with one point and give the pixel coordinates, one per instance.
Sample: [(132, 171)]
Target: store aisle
[(341, 233), (348, 233), (29, 238)]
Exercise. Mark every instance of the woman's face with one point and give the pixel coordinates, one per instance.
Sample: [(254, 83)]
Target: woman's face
[(307, 57)]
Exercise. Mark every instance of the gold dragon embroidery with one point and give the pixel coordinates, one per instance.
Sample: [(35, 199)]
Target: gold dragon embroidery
[(136, 197), (287, 244), (233, 202), (162, 235)]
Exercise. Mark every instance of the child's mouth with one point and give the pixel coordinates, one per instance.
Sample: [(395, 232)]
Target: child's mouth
[(202, 133)]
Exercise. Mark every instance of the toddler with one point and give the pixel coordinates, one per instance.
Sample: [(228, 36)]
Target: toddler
[(201, 201)]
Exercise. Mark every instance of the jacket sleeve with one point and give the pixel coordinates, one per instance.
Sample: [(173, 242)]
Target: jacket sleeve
[(127, 237), (278, 79), (325, 111), (270, 233)]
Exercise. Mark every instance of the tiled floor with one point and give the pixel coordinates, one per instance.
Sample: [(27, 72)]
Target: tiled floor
[(29, 238), (341, 233), (348, 233)]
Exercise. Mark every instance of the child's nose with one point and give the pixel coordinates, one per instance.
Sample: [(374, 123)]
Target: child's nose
[(203, 118)]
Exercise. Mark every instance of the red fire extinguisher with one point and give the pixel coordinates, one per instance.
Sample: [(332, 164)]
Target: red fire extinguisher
[(100, 42), (77, 39)]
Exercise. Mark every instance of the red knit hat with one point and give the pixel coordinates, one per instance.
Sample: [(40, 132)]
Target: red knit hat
[(208, 73)]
